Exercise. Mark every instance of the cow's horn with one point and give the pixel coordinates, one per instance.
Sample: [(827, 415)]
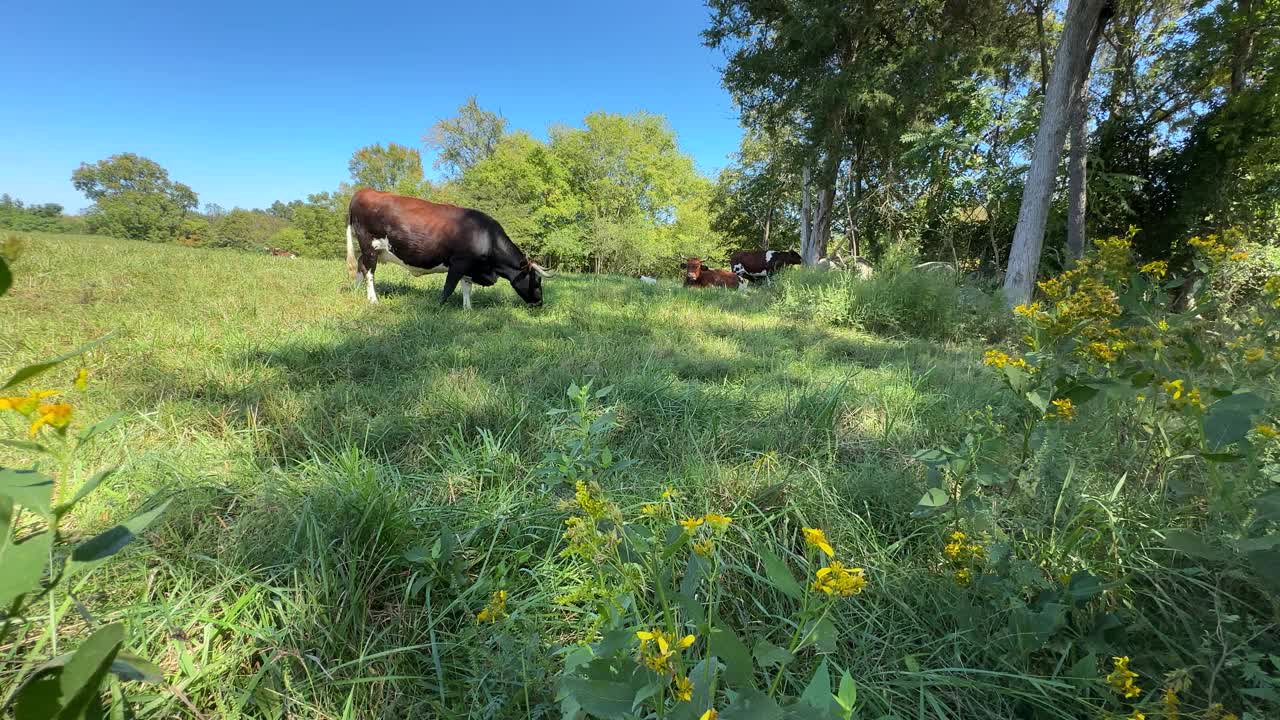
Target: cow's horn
[(542, 272)]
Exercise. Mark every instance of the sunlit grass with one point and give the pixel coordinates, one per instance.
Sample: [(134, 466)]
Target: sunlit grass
[(310, 440)]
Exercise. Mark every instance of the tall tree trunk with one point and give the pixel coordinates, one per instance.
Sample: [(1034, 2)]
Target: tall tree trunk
[(1078, 160), (768, 223), (1040, 7), (1242, 55), (821, 233), (806, 241), (1028, 238), (857, 199)]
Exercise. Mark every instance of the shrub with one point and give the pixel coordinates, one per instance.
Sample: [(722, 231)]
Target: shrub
[(244, 229), (12, 245), (899, 302), (1125, 493)]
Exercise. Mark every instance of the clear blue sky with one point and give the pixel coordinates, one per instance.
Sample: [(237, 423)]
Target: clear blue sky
[(249, 102)]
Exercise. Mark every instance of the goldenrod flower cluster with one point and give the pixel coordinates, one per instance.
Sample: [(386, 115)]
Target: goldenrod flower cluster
[(495, 610), (815, 538), (1267, 430), (1254, 354), (713, 521), (1156, 268), (660, 652), (837, 580), (1169, 703), (998, 360), (40, 414), (961, 553), (1216, 250), (1272, 289), (1121, 678), (1062, 409)]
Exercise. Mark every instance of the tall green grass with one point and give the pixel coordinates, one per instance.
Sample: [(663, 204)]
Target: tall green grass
[(350, 482)]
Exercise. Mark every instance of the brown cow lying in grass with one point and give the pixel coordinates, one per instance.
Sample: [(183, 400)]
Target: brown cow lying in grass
[(698, 275)]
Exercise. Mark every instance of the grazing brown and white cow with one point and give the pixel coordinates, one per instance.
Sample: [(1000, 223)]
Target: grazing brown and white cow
[(428, 237), (761, 263), (696, 274)]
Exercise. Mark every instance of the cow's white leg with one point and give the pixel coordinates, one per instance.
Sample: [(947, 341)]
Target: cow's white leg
[(466, 293), (368, 287)]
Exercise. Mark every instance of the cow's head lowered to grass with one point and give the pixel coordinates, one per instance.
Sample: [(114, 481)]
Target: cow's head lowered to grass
[(528, 282)]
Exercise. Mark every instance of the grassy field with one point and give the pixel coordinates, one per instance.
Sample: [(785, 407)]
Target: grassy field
[(313, 444)]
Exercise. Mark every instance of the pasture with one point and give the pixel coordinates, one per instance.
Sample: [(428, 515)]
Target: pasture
[(350, 483)]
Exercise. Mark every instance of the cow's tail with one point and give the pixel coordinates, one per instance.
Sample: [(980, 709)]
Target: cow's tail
[(351, 251)]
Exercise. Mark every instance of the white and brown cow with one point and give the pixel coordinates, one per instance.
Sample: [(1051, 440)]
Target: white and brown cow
[(759, 264), (428, 237)]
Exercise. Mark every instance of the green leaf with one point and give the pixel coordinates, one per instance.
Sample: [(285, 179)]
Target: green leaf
[(29, 489), (1266, 563), (69, 687), (25, 445), (751, 704), (931, 457), (6, 277), (847, 698), (603, 694), (1017, 378), (779, 574), (23, 563), (92, 552), (84, 490), (817, 694), (1032, 629), (1038, 400), (1192, 544), (90, 433), (1083, 586), (1268, 505), (768, 655), (31, 371), (1230, 419), (128, 666), (737, 659), (933, 500)]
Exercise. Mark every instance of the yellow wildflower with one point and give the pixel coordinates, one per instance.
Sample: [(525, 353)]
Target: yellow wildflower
[(1240, 255), (1193, 399), (496, 609), (57, 415), (717, 522), (649, 509), (691, 524), (704, 548), (836, 579), (995, 359), (1174, 388), (818, 539), (1121, 678), (1138, 715), (1254, 354), (709, 715), (1163, 325), (1170, 704), (1063, 409), (682, 689), (963, 577), (670, 493), (25, 405), (1267, 430), (82, 379), (658, 650), (1101, 352), (594, 507), (1027, 310), (1156, 268)]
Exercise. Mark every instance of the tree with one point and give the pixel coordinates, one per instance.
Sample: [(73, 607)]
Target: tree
[(134, 198), (394, 168), (1085, 19), (465, 139)]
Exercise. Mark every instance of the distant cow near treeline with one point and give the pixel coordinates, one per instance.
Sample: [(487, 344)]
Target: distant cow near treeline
[(697, 274), (759, 264)]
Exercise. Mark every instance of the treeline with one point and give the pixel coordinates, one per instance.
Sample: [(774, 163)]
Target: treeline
[(957, 128), (614, 195), (46, 217)]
